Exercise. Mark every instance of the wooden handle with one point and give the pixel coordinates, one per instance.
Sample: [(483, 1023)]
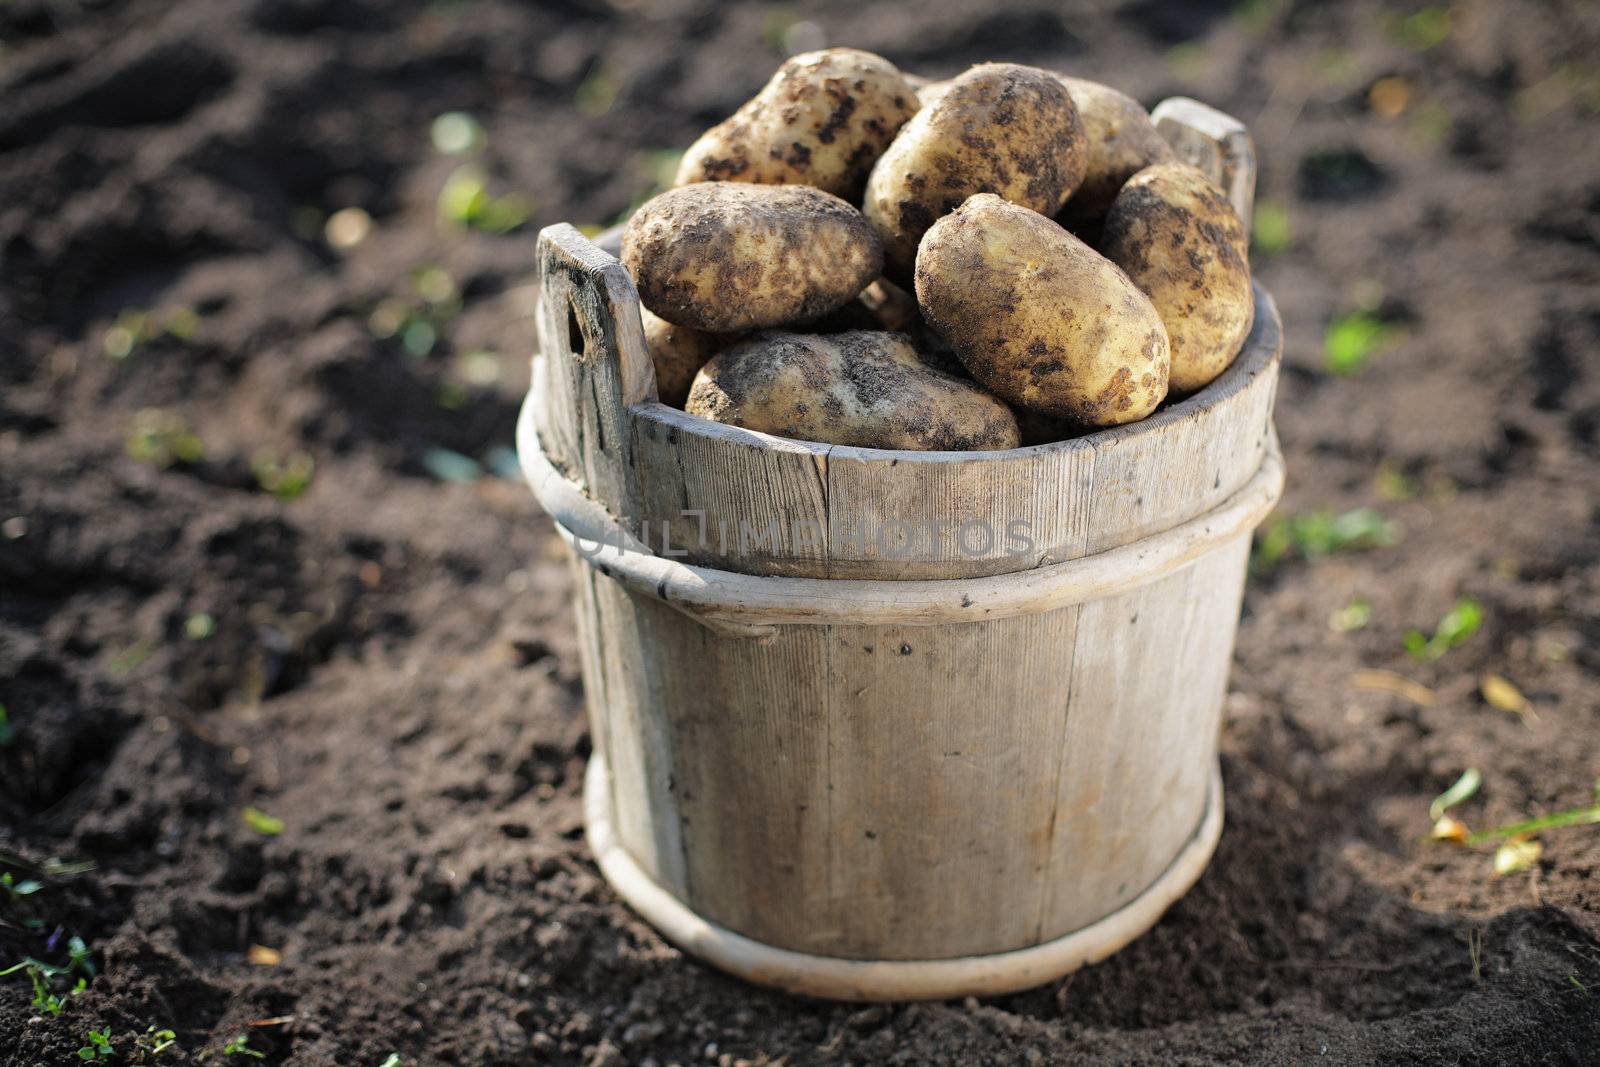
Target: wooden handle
[(1215, 142), (595, 366)]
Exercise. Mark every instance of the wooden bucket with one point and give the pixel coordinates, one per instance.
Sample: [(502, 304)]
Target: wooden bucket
[(878, 724)]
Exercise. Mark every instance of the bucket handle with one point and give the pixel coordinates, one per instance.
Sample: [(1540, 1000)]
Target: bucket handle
[(596, 366)]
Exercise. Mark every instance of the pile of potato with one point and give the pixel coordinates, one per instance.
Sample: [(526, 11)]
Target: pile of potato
[(1068, 270)]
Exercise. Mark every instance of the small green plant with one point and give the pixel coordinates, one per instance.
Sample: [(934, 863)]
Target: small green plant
[(8, 733), (151, 1043), (1392, 483), (417, 319), (1432, 123), (1321, 533), (133, 328), (239, 1045), (80, 960), (15, 890), (1353, 616), (596, 94), (1457, 625), (98, 1046), (199, 626), (43, 976), (465, 201), (261, 822), (1420, 30), (1270, 232), (286, 478), (1460, 791), (1353, 339), (163, 439)]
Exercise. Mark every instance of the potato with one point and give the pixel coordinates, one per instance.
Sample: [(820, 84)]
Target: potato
[(883, 305), (894, 307), (677, 353), (1179, 239), (1039, 318), (1122, 141), (999, 128), (727, 256), (929, 91), (823, 120), (864, 388)]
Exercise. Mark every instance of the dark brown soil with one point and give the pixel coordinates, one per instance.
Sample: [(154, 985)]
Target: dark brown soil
[(391, 669)]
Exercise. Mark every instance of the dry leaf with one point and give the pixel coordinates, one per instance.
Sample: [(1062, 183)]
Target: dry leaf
[(1390, 682), (1498, 692), (1389, 96), (1449, 828), (262, 956), (1517, 854)]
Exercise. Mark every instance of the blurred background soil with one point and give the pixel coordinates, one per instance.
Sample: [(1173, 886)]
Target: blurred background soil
[(262, 548)]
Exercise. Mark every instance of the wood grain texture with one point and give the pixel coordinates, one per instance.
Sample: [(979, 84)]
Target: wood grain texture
[(596, 366), (839, 511), (857, 753)]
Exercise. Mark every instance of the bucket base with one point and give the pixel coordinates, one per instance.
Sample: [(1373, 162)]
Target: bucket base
[(844, 979)]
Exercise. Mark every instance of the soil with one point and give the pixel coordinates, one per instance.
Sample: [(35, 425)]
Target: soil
[(386, 663)]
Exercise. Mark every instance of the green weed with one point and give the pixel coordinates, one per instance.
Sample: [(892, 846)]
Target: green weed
[(43, 977), (465, 201), (1353, 339), (132, 328), (1318, 534), (163, 439), (1270, 232), (98, 1047), (15, 890), (286, 478), (239, 1045), (1457, 625), (261, 822), (1462, 790), (596, 94), (1420, 30), (1353, 616)]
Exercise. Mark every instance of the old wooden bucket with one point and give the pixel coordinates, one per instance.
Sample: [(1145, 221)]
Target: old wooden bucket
[(891, 725)]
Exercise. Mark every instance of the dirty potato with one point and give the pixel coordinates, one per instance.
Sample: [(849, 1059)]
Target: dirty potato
[(883, 305), (823, 120), (999, 128), (1121, 142), (1039, 318), (865, 388), (728, 256), (1177, 236), (929, 91), (677, 352)]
